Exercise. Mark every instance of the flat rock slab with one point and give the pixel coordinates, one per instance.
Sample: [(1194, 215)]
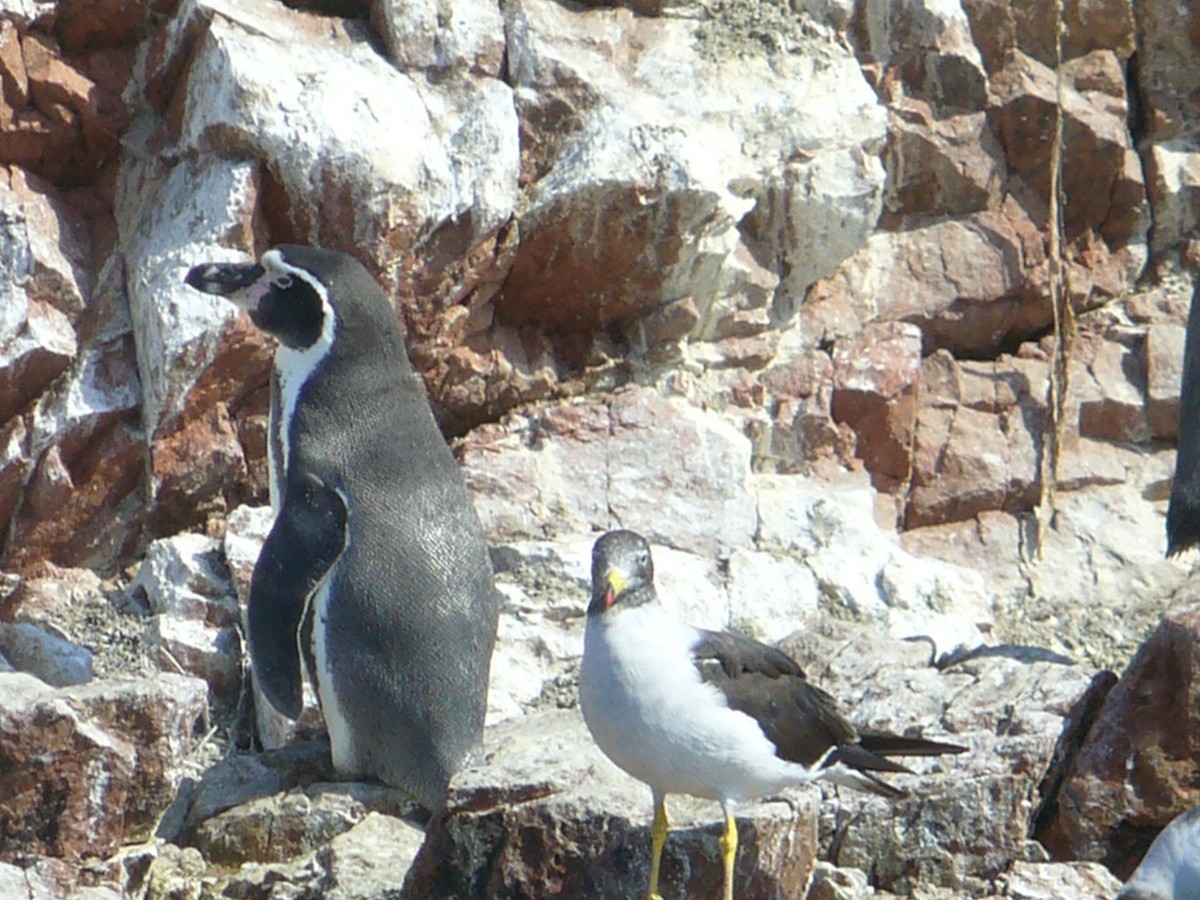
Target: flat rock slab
[(548, 815)]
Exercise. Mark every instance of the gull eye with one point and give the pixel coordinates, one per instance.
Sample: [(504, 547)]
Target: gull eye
[(282, 283)]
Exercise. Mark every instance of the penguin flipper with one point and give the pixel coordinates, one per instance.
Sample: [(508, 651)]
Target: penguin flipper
[(305, 542)]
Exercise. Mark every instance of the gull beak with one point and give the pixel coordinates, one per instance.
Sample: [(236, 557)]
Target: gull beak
[(615, 583)]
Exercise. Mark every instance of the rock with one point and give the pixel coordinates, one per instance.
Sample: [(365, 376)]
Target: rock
[(372, 858), (1000, 28), (77, 605), (37, 342), (832, 883), (186, 576), (930, 48), (467, 35), (56, 247), (1168, 75), (43, 878), (1049, 881), (82, 436), (58, 121), (769, 596), (194, 611), (192, 647), (288, 825), (802, 429), (600, 165), (1164, 372), (1173, 180), (1120, 567), (1135, 770), (1171, 867), (56, 661), (1111, 391), (976, 439), (1025, 99), (970, 815), (948, 166), (876, 391), (56, 743), (960, 280), (242, 779), (860, 573), (544, 776), (580, 467)]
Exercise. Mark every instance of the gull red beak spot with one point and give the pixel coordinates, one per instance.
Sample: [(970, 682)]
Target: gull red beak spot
[(610, 597)]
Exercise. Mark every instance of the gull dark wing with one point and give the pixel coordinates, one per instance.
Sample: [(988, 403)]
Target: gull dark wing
[(1183, 510), (306, 540), (800, 719), (738, 655)]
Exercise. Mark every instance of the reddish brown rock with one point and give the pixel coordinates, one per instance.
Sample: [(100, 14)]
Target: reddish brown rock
[(977, 439), (876, 391), (14, 83), (1138, 766), (1168, 70), (84, 504), (799, 396), (569, 284), (40, 350), (1000, 27), (81, 24), (54, 745), (1164, 371), (949, 166), (75, 124), (1173, 177), (213, 456), (1096, 139), (548, 816), (1109, 385)]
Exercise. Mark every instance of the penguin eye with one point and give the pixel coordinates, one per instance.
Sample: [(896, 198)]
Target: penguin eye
[(282, 283)]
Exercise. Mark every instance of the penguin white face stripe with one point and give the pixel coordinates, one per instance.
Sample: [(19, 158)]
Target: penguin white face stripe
[(293, 367)]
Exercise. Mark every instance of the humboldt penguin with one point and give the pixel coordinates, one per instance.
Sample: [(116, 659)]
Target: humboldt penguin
[(1183, 509), (375, 571)]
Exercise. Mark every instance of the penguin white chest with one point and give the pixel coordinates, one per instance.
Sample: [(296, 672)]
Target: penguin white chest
[(340, 732)]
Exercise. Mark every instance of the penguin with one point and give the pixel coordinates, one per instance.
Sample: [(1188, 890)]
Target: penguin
[(1183, 509), (376, 572)]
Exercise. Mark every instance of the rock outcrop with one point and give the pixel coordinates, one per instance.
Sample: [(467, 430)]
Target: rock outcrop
[(767, 282)]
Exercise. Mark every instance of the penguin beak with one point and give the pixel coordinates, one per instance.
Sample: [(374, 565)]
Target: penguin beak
[(229, 280)]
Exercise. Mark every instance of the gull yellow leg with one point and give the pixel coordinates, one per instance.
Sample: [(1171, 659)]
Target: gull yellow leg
[(658, 838), (729, 845)]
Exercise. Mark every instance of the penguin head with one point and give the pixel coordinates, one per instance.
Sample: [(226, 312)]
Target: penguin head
[(622, 572), (286, 293)]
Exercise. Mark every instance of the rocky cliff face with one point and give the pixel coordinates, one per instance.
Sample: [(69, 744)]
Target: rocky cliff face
[(766, 282)]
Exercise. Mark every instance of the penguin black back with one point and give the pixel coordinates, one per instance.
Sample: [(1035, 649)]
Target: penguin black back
[(1183, 510), (376, 549)]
